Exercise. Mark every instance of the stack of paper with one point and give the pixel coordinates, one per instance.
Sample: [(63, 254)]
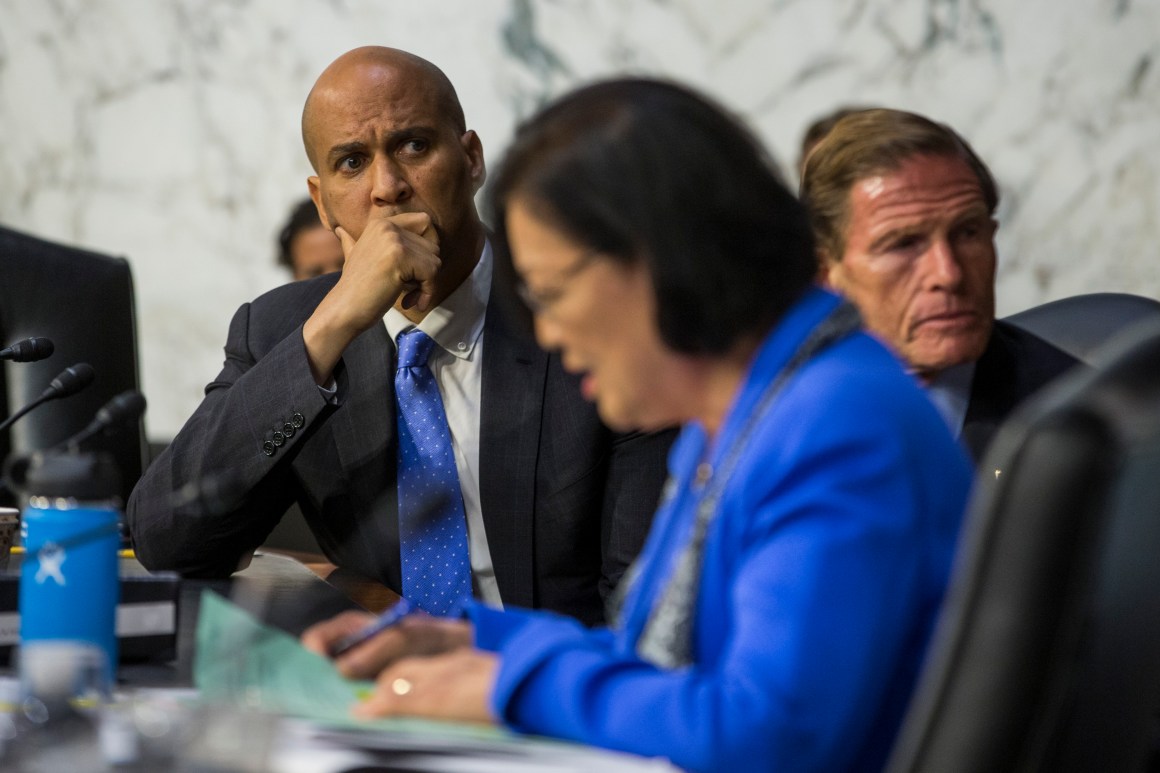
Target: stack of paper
[(244, 664)]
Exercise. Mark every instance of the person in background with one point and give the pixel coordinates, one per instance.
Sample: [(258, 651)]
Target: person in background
[(305, 246), (903, 212), (779, 613), (431, 445)]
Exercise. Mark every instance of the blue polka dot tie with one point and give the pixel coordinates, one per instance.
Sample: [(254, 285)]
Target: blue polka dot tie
[(432, 524)]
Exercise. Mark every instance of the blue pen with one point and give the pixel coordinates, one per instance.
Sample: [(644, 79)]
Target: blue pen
[(385, 620)]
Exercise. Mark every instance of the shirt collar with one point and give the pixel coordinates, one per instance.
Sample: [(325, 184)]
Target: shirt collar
[(457, 322)]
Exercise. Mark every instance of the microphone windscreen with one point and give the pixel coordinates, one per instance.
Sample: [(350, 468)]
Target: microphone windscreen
[(29, 350), (127, 406), (71, 380), (211, 495)]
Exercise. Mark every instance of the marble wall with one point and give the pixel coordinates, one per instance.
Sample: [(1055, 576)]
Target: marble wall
[(167, 132)]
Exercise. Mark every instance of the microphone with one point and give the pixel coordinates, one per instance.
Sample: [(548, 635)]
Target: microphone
[(69, 382), (211, 495), (122, 409), (28, 350)]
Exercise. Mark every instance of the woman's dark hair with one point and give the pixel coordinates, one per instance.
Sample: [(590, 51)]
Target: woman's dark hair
[(304, 216), (645, 170)]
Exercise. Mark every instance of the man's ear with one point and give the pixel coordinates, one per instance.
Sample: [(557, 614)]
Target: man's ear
[(826, 269), (477, 168), (316, 197)]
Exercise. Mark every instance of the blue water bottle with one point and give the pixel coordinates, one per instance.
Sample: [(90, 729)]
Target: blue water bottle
[(69, 583)]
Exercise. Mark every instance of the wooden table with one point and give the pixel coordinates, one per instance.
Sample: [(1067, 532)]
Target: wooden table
[(369, 594)]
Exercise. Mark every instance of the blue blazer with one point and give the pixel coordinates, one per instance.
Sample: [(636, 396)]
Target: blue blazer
[(822, 575)]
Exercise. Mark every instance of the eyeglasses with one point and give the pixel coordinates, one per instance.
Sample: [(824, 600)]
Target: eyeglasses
[(542, 302)]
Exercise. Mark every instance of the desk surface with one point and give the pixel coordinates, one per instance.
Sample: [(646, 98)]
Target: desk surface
[(284, 593), (274, 588)]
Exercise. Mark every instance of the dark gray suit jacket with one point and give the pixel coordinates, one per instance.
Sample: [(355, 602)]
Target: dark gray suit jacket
[(566, 502), (1015, 365)]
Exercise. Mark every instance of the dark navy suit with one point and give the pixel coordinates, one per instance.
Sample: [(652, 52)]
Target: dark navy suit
[(1014, 366)]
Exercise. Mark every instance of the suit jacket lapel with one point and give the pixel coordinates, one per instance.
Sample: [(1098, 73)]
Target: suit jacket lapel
[(514, 375), (992, 393), (364, 436)]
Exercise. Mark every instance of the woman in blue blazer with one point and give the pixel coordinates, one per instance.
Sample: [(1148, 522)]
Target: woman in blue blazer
[(779, 613)]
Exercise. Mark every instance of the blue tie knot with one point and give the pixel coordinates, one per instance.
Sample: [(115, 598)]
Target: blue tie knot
[(414, 348)]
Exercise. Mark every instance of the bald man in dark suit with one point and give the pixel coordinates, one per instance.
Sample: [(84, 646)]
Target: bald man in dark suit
[(305, 409)]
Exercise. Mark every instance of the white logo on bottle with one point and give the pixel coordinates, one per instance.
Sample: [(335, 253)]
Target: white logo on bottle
[(51, 558)]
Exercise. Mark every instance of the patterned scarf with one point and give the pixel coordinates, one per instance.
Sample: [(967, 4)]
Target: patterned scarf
[(667, 639)]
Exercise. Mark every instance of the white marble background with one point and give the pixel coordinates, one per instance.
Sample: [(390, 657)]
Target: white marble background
[(167, 132)]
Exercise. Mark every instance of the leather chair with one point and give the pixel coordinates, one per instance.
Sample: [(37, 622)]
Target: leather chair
[(84, 303), (1081, 324), (1046, 656)]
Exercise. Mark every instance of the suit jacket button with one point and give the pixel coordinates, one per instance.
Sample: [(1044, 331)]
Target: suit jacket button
[(288, 429), (279, 439), (298, 420), (268, 448)]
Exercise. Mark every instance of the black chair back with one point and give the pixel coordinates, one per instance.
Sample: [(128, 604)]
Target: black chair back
[(1081, 324), (1047, 652), (84, 303)]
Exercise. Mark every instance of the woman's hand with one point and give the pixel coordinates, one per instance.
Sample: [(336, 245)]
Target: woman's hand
[(453, 686), (414, 635)]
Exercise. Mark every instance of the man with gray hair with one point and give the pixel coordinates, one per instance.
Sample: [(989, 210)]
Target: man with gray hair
[(903, 213)]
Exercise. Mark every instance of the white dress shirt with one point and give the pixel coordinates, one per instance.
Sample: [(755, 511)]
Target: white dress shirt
[(456, 361)]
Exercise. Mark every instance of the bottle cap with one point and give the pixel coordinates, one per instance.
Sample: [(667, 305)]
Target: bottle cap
[(83, 476)]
